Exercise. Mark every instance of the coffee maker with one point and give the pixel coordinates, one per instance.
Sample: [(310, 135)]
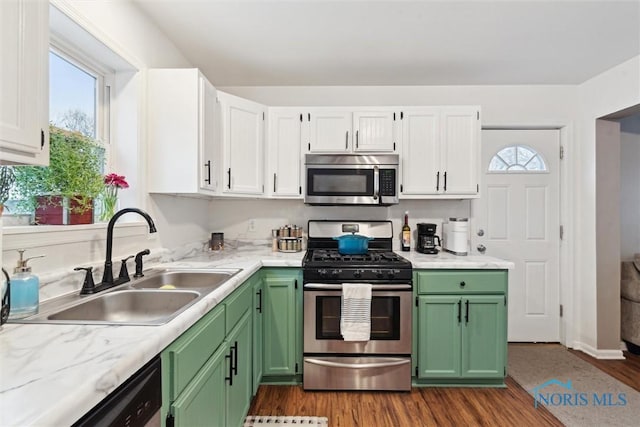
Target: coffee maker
[(427, 239)]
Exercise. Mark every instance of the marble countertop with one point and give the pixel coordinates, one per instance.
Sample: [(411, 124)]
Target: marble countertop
[(51, 375)]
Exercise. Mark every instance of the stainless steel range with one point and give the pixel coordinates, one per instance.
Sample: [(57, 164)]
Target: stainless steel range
[(384, 361)]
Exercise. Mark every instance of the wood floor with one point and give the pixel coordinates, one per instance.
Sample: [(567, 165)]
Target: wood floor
[(512, 406)]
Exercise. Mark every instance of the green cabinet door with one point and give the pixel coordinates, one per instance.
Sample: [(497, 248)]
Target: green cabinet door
[(439, 329), (484, 335), (239, 391), (258, 319), (202, 403), (280, 322)]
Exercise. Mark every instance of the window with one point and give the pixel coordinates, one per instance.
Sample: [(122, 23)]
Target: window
[(517, 159)]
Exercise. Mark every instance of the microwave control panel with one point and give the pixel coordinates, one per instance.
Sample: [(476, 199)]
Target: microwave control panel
[(387, 182)]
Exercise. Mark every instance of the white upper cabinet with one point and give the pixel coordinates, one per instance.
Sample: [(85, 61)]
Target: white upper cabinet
[(440, 152), (329, 131), (345, 130), (243, 140), (374, 131), (286, 127), (24, 77), (181, 132)]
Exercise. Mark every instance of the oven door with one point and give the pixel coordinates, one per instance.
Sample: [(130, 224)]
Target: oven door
[(342, 184), (390, 320)]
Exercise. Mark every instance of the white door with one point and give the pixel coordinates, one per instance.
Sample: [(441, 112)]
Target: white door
[(284, 152), (517, 218)]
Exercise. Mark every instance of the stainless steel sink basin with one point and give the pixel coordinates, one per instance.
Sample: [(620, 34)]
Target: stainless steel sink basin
[(130, 307), (184, 279)]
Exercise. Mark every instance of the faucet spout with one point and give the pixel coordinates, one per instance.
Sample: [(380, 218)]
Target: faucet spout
[(107, 277)]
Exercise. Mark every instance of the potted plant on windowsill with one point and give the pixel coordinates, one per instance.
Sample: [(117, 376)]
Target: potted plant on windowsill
[(63, 192)]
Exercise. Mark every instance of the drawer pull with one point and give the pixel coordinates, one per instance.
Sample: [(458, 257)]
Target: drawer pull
[(463, 284)]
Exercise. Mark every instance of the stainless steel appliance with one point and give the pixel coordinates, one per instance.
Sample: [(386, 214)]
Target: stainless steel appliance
[(384, 361), (351, 179), (427, 239), (136, 403)]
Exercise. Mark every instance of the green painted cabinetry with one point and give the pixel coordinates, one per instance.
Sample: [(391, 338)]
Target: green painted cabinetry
[(282, 324), (258, 320), (207, 373), (461, 327)]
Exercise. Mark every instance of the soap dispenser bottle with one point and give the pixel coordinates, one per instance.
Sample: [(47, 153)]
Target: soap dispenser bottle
[(25, 289)]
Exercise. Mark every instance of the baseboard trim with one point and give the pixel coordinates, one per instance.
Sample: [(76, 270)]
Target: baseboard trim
[(597, 353)]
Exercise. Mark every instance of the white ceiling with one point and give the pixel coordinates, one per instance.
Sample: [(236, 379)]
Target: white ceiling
[(356, 42)]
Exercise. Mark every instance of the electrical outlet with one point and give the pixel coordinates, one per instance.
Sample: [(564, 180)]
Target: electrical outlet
[(252, 225)]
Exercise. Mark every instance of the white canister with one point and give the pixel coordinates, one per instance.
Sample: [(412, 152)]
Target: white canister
[(456, 236)]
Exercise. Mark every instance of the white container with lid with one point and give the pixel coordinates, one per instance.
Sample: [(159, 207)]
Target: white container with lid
[(456, 236)]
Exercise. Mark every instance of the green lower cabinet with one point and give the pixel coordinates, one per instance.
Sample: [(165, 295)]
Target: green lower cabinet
[(258, 328), (461, 328), (239, 389), (202, 403), (282, 324)]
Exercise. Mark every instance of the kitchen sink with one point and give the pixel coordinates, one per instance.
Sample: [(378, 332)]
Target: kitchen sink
[(184, 279), (154, 299), (129, 306)]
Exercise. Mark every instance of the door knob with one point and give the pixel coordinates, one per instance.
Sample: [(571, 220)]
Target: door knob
[(481, 249), (480, 232)]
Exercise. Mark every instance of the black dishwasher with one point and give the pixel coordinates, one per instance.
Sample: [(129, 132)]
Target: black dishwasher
[(136, 403)]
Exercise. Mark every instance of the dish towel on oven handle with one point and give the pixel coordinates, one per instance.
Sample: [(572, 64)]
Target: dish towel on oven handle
[(355, 317)]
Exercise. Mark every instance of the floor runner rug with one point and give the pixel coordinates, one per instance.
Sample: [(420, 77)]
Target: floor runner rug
[(284, 421), (573, 390)]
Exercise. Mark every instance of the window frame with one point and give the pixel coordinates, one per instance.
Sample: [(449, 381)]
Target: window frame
[(517, 171)]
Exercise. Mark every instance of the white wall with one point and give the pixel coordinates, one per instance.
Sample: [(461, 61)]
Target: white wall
[(614, 90), (629, 188)]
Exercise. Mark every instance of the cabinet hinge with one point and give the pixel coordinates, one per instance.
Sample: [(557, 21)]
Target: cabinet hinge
[(263, 115), (505, 371), (308, 117), (170, 421), (416, 371), (561, 310), (478, 115), (295, 284), (263, 188), (505, 300), (394, 146), (309, 146), (300, 116), (561, 152), (561, 232), (296, 367), (477, 188), (41, 139), (394, 117), (401, 188)]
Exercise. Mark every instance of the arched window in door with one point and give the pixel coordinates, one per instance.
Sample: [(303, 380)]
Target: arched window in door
[(517, 159)]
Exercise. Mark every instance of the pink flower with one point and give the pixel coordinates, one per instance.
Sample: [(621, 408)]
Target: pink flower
[(115, 180)]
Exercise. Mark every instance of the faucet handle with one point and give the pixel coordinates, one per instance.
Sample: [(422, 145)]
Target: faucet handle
[(139, 256), (88, 286), (124, 273)]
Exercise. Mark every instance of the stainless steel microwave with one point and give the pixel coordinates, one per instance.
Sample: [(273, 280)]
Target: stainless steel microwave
[(351, 179)]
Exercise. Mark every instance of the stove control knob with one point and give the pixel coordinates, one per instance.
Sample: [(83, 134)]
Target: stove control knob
[(322, 273), (379, 274), (357, 274), (334, 274), (391, 275)]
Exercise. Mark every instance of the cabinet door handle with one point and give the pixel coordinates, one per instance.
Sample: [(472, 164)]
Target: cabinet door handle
[(357, 142), (346, 141), (445, 182), (229, 173), (438, 181), (466, 311), (230, 357), (208, 166), (274, 182), (235, 358), (259, 308), (459, 311)]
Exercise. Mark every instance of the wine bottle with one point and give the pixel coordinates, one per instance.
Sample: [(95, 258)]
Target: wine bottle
[(406, 233)]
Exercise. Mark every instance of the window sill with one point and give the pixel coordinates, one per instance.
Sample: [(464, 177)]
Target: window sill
[(24, 237)]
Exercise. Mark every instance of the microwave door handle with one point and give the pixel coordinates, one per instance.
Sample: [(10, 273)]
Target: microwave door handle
[(376, 182)]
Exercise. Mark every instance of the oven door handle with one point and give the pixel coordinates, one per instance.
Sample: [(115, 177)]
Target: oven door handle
[(326, 287), (395, 362)]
